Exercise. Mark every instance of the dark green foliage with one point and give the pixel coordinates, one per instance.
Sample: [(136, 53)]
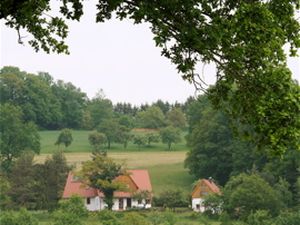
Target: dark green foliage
[(33, 94), (152, 118), (23, 217), (100, 110), (107, 217), (23, 186), (171, 199), (16, 135), (288, 218), (244, 194), (74, 205), (244, 39), (4, 190), (215, 152), (72, 104), (50, 189), (170, 135), (70, 212), (65, 137), (259, 217)]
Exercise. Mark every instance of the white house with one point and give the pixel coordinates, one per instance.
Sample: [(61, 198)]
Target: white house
[(202, 188), (136, 181)]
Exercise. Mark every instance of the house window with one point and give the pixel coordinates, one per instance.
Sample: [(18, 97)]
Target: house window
[(139, 201), (88, 201), (198, 206), (147, 201)]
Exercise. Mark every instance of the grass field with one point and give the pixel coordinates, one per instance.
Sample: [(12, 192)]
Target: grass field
[(165, 168), (80, 143)]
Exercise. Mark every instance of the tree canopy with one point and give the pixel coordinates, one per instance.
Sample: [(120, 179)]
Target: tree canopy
[(244, 39)]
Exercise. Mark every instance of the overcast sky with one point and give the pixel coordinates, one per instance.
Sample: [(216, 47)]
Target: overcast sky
[(118, 57)]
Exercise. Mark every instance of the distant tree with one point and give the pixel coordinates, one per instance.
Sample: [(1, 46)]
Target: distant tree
[(15, 135), (65, 137), (139, 140), (282, 188), (33, 94), (124, 136), (164, 106), (176, 118), (100, 110), (97, 140), (152, 117), (244, 194), (170, 135), (23, 185), (100, 173), (50, 190), (72, 103), (152, 138), (111, 128), (213, 148)]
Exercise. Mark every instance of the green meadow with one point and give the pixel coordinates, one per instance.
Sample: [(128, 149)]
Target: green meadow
[(166, 167), (81, 144)]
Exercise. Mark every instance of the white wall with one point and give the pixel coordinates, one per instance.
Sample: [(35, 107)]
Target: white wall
[(97, 204), (195, 202), (94, 204)]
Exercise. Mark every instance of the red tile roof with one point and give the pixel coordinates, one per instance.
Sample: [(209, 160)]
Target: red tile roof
[(75, 187), (212, 186), (142, 179)]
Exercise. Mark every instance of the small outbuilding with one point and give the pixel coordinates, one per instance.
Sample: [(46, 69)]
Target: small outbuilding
[(203, 188), (136, 181)]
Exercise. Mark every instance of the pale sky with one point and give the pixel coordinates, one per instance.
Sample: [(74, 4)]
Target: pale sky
[(118, 57)]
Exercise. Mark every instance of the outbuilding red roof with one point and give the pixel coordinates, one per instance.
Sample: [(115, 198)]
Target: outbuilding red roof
[(74, 186)]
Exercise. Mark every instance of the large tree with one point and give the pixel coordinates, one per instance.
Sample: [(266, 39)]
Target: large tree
[(16, 135), (33, 94), (152, 117), (215, 152), (244, 39), (100, 173)]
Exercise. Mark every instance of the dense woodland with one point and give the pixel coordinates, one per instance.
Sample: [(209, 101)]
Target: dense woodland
[(266, 186)]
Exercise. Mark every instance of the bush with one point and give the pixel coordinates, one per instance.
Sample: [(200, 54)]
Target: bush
[(259, 217), (134, 219), (108, 217), (171, 199), (245, 194), (23, 217), (288, 218), (66, 218), (74, 205)]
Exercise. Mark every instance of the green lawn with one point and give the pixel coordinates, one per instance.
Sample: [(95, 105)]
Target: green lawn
[(80, 143)]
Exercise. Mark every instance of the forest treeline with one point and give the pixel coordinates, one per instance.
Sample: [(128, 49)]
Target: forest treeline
[(54, 105)]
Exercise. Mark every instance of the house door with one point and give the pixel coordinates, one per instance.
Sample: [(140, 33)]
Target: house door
[(121, 204), (128, 202)]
